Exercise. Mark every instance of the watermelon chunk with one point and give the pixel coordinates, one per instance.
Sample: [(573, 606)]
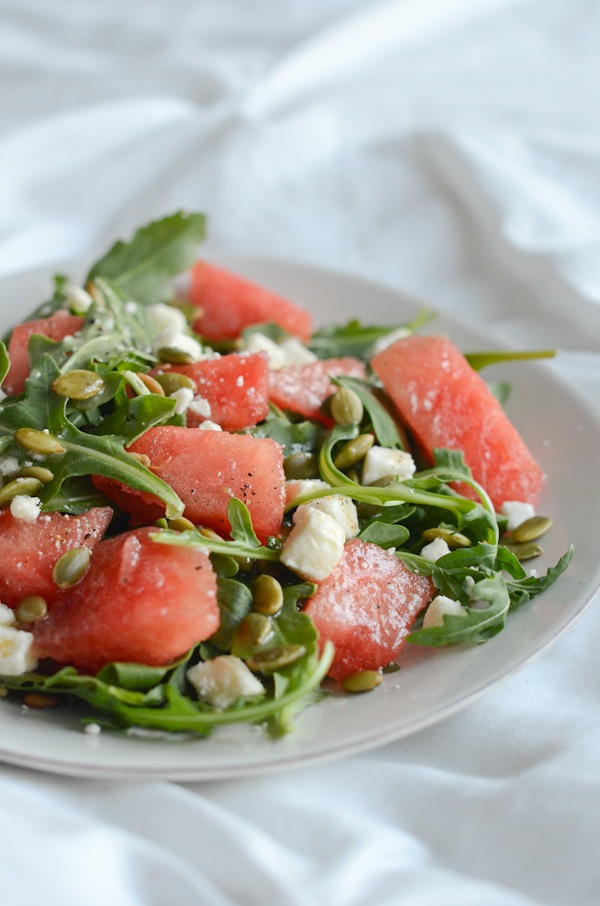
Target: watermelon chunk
[(304, 388), (366, 607), (29, 550), (56, 327), (139, 601), (229, 303), (206, 469), (446, 404), (236, 388)]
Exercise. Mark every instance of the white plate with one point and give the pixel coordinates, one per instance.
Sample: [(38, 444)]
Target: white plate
[(432, 684)]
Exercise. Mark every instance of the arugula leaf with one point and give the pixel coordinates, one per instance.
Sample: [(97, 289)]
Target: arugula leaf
[(385, 534), (142, 267), (479, 360), (356, 339), (4, 362)]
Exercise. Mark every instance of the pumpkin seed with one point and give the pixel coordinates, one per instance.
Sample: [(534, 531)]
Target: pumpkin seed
[(254, 630), (181, 524), (141, 458), (38, 441), (453, 539), (172, 381), (71, 567), (40, 700), (532, 529), (31, 609), (301, 465), (26, 487), (362, 681), (78, 384), (353, 451), (39, 472), (151, 383), (524, 551), (275, 658), (174, 356), (346, 407), (210, 533), (267, 595)]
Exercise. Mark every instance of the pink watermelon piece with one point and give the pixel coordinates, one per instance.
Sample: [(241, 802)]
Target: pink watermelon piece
[(445, 403), (304, 388), (366, 607), (56, 327), (140, 601)]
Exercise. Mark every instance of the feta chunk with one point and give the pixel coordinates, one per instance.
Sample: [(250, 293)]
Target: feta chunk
[(25, 508), (171, 338), (434, 615), (207, 425), (166, 317), (15, 651), (260, 342), (339, 507), (7, 616), (435, 549), (314, 546), (9, 465), (183, 398), (78, 299), (222, 680), (200, 406), (383, 342), (516, 511), (295, 352), (381, 462), (296, 487)]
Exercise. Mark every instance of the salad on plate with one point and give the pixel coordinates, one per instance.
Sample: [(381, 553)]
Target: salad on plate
[(212, 512)]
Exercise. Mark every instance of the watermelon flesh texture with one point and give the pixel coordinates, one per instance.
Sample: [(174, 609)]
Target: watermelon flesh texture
[(228, 303), (366, 607), (56, 327), (206, 469), (304, 388), (445, 403), (235, 387), (140, 601), (29, 550)]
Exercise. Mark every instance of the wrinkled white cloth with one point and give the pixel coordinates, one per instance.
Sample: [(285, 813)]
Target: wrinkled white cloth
[(449, 148)]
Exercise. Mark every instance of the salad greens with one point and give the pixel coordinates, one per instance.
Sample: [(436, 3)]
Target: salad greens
[(115, 345)]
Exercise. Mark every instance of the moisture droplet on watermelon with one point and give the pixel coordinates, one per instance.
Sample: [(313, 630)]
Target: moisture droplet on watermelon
[(445, 403), (366, 607), (140, 601)]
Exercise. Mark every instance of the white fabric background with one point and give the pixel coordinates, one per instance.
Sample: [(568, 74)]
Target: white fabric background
[(451, 149)]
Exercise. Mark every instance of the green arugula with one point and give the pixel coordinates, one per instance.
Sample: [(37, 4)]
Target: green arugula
[(356, 339)]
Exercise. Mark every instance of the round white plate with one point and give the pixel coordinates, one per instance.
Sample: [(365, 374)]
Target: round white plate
[(432, 684)]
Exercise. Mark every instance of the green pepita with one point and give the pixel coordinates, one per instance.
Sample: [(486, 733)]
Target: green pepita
[(38, 441), (181, 524), (78, 384), (353, 451), (172, 381), (254, 630), (267, 595), (301, 465), (346, 407), (453, 539), (275, 658), (524, 551), (71, 567), (174, 356), (362, 681), (31, 609), (151, 383), (39, 472), (532, 529), (26, 487), (41, 700)]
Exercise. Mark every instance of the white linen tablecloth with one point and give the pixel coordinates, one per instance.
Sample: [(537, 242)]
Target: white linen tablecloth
[(452, 150)]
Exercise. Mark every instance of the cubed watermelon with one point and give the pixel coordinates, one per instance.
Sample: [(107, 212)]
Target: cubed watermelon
[(206, 469), (235, 388), (229, 303), (304, 388), (56, 327), (29, 550), (140, 601), (366, 607), (445, 403)]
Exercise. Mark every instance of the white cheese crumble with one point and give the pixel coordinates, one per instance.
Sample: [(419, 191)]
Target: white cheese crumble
[(171, 338), (339, 507), (295, 352), (260, 342), (296, 487), (200, 406), (383, 342), (15, 652), (78, 299), (222, 680), (381, 462), (8, 465), (516, 511), (25, 508), (7, 616), (314, 546), (435, 549), (166, 317), (183, 398), (434, 615), (207, 425)]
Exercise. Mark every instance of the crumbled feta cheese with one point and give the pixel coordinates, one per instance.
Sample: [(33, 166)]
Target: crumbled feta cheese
[(381, 462), (25, 508), (78, 299), (339, 507), (435, 549), (15, 652), (314, 546), (222, 680), (200, 406), (383, 342), (166, 317), (183, 398), (92, 729), (207, 425), (516, 511), (295, 352), (434, 615), (9, 465), (259, 342), (296, 487), (171, 338), (7, 616)]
